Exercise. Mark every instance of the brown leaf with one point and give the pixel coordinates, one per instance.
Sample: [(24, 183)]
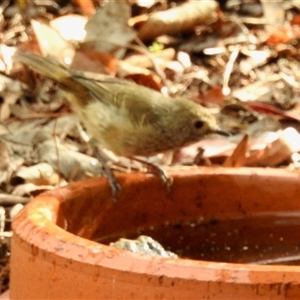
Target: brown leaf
[(4, 157), (213, 148), (272, 149), (269, 109), (140, 75), (94, 61), (176, 20), (212, 95), (296, 20), (109, 29), (282, 36), (144, 61), (87, 6), (150, 80), (238, 156)]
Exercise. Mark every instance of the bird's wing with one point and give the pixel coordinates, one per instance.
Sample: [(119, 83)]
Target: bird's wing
[(142, 104)]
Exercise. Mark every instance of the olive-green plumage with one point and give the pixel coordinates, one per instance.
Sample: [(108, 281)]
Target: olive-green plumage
[(124, 117)]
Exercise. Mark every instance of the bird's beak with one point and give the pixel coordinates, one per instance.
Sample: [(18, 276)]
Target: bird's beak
[(222, 132)]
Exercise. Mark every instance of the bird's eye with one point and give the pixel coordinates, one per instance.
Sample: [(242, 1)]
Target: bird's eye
[(198, 124)]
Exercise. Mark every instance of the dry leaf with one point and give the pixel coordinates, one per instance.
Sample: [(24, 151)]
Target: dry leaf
[(212, 95), (14, 211), (295, 20), (94, 61), (6, 62), (150, 80), (255, 59), (212, 148), (40, 174), (51, 43), (73, 165), (10, 92), (144, 3), (185, 59), (70, 27), (238, 156), (139, 75), (21, 134), (176, 20), (174, 66), (87, 6), (108, 28), (274, 13), (144, 61), (4, 157), (282, 36), (271, 149), (61, 127), (256, 90), (269, 109), (30, 189)]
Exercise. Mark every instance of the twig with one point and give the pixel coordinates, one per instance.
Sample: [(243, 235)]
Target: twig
[(233, 56), (12, 199)]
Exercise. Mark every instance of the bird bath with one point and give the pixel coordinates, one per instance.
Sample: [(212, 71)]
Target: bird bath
[(237, 232)]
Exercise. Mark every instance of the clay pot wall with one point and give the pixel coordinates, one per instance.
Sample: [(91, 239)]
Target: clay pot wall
[(54, 255)]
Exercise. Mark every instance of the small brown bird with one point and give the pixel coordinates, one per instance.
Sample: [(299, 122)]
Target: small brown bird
[(124, 117)]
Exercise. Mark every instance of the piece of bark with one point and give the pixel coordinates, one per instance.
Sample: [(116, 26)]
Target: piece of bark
[(179, 19)]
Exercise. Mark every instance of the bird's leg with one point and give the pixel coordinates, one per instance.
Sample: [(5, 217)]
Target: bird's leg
[(115, 186), (158, 170), (154, 168), (100, 155)]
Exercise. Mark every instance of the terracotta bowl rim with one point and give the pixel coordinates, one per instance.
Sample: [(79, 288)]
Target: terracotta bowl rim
[(39, 219)]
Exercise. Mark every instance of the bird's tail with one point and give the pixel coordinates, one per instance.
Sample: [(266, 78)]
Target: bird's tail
[(50, 68)]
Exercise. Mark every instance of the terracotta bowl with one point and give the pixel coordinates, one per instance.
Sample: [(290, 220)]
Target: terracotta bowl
[(229, 221)]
